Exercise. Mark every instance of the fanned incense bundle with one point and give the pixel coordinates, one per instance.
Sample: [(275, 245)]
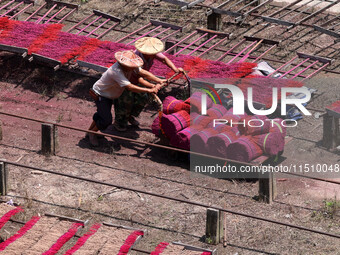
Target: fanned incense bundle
[(196, 101), (243, 150), (172, 105)]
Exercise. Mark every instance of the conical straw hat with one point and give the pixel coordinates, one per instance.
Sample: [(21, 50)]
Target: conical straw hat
[(149, 45), (129, 59)]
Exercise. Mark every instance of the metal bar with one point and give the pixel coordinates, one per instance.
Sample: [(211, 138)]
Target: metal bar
[(285, 8), (215, 45), (223, 4), (134, 32), (39, 20), (182, 40), (95, 29), (162, 32), (13, 8), (66, 15), (80, 22), (301, 63), (317, 12), (330, 21), (121, 138), (152, 30), (232, 48), (305, 69), (332, 27), (207, 41), (184, 48), (285, 64), (305, 10), (292, 10), (230, 61), (107, 30), (257, 7), (316, 71), (21, 11), (34, 13), (56, 14), (186, 201), (234, 4), (245, 6), (251, 50), (264, 53), (171, 34), (92, 22), (8, 4)]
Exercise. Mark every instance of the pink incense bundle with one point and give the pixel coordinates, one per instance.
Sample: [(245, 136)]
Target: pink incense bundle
[(175, 122), (200, 120), (276, 126), (221, 127), (196, 101), (182, 138), (255, 125), (218, 144), (230, 117), (172, 105), (244, 149), (271, 143), (216, 111), (198, 142), (155, 127)]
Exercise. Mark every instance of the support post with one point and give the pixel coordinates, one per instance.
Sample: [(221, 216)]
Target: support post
[(214, 226), (214, 21), (0, 130), (330, 132), (49, 139), (267, 187), (3, 179), (168, 45)]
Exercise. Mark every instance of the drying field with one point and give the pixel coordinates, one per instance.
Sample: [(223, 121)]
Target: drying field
[(35, 91)]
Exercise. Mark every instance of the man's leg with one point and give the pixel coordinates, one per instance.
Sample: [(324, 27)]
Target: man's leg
[(101, 119), (123, 106), (140, 100)]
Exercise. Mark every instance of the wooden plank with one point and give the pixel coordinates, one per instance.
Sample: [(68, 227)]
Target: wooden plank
[(106, 16), (164, 24), (95, 67), (278, 21), (47, 60), (13, 49), (312, 57)]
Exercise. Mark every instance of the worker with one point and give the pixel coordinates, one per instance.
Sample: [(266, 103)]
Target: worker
[(148, 48), (113, 83)]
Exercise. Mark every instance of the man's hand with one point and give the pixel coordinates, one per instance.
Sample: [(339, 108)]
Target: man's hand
[(158, 86), (164, 82), (180, 69), (153, 90)]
